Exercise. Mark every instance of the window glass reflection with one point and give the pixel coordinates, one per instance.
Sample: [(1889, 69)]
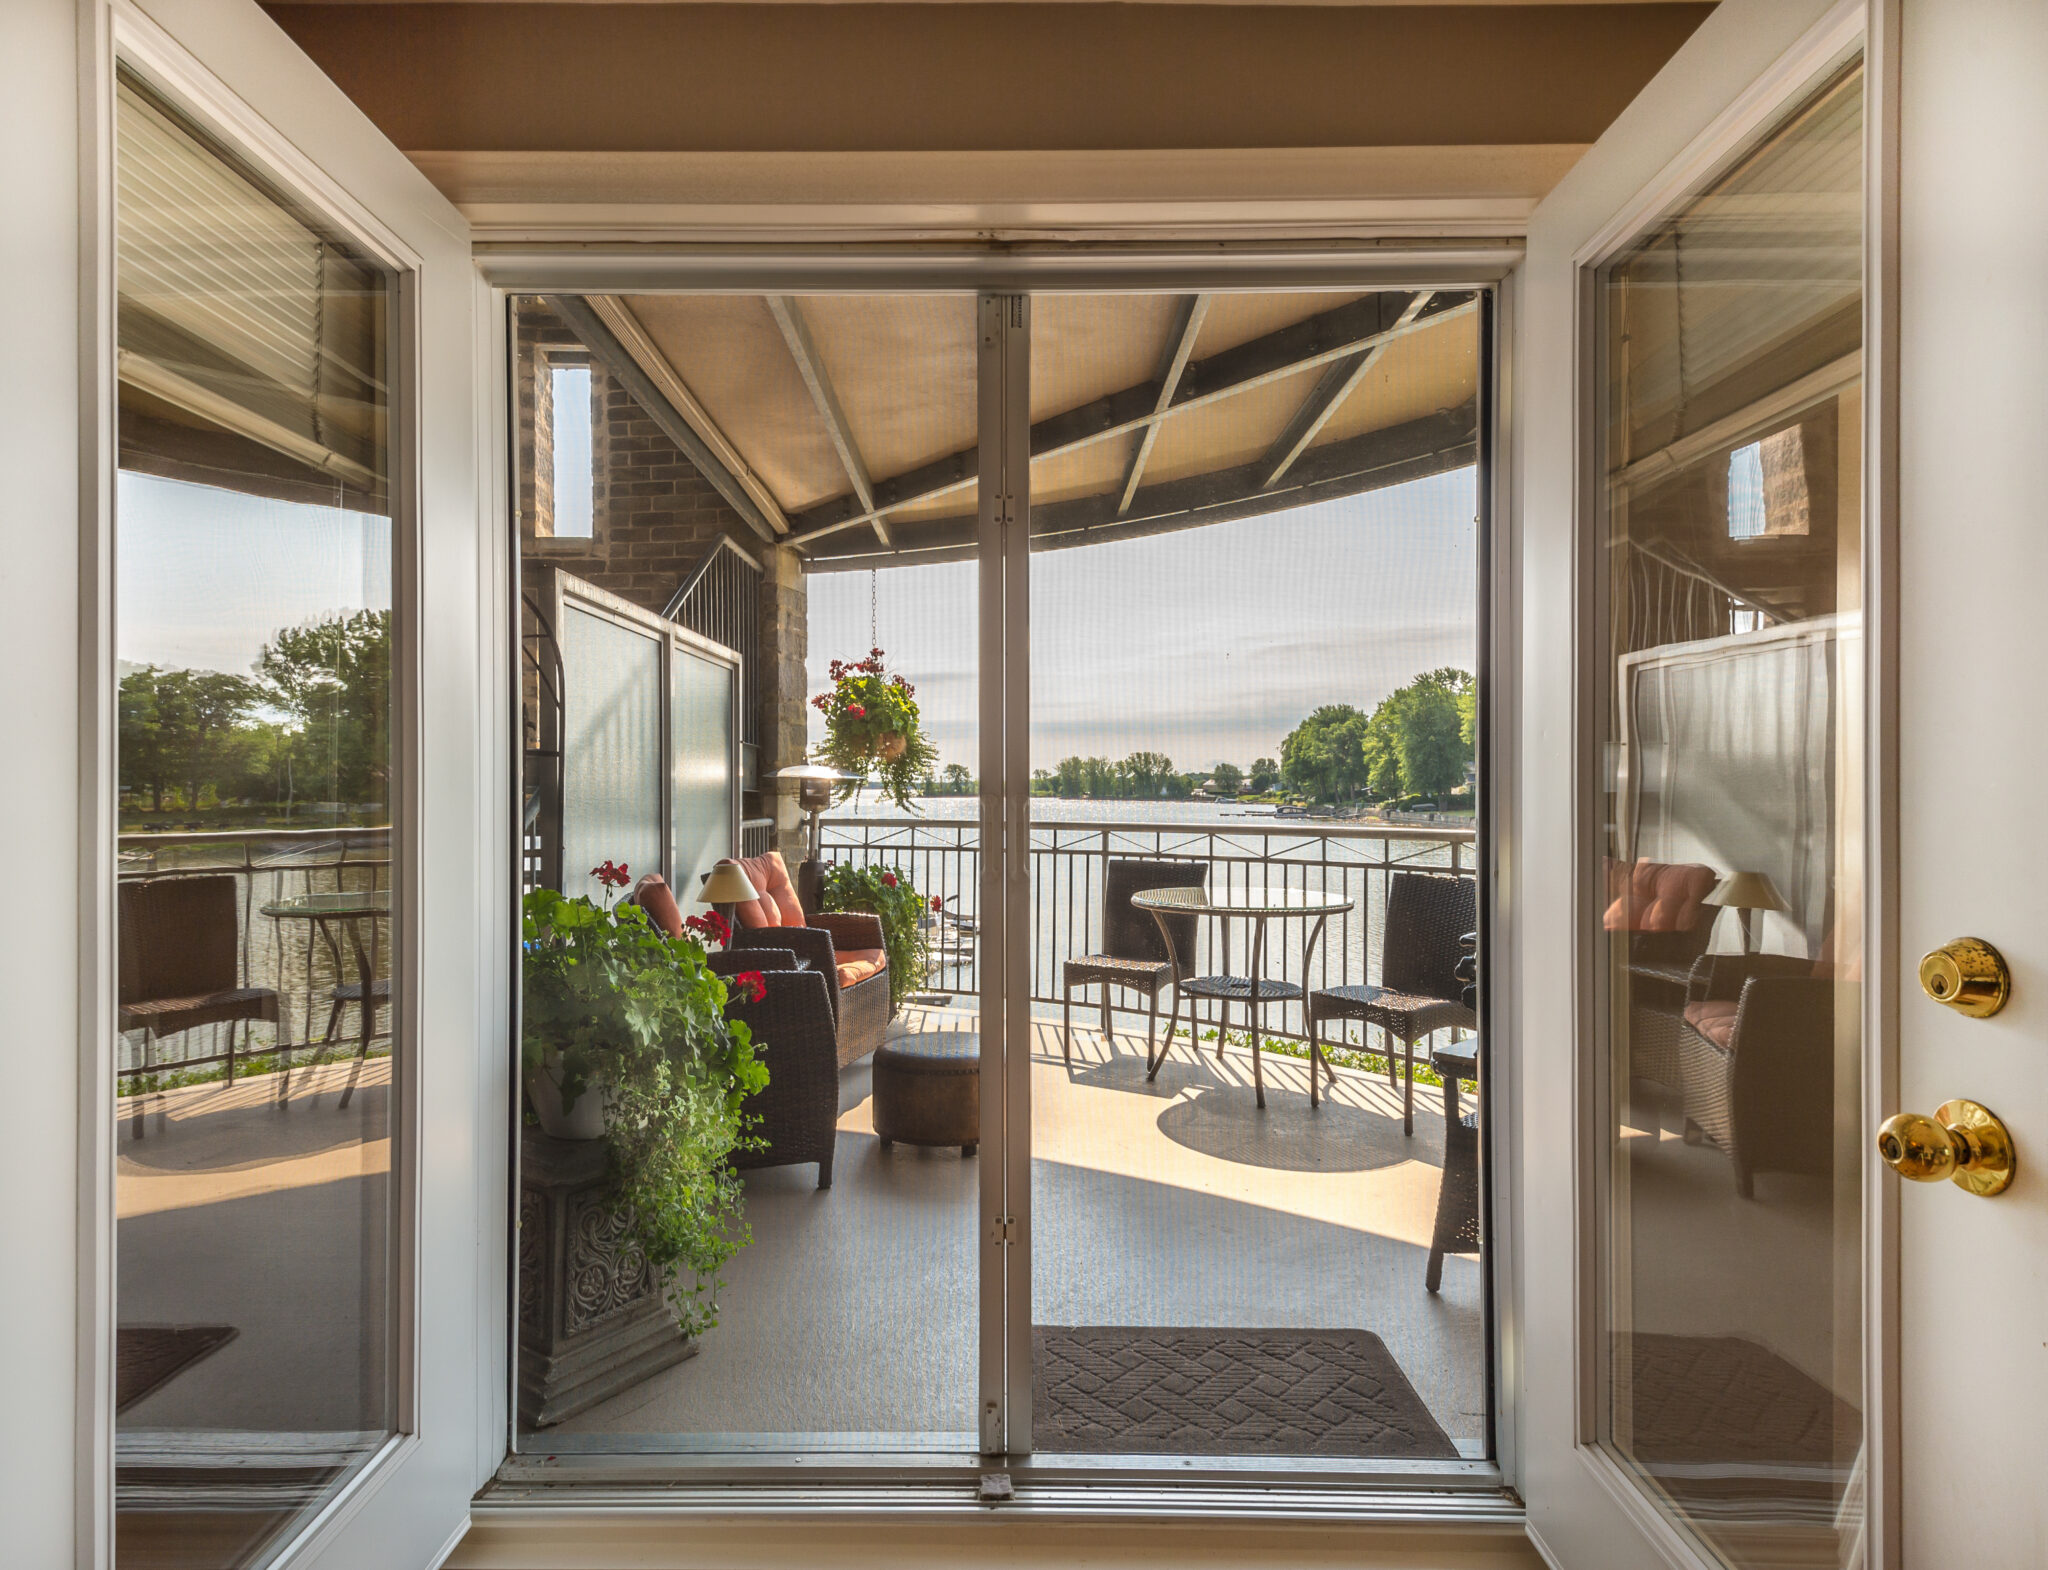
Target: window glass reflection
[(255, 1046)]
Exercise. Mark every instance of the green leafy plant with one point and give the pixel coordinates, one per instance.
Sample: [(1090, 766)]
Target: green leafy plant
[(887, 893), (872, 727), (616, 1008)]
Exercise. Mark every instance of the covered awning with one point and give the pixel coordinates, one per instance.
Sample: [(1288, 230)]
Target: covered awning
[(845, 426)]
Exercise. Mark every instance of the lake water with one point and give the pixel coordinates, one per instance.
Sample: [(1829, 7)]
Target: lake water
[(1246, 848)]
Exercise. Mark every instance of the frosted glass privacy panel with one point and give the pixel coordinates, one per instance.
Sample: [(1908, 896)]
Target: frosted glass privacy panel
[(701, 784), (611, 725)]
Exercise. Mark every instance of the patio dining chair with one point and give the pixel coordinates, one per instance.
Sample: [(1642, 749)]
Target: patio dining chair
[(1420, 992), (180, 962), (1134, 956)]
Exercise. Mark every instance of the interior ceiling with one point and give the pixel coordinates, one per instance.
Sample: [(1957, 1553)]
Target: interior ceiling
[(1223, 405)]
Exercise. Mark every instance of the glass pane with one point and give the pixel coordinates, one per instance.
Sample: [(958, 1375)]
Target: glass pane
[(256, 1056), (1730, 905), (845, 427), (611, 715), (700, 745), (1253, 631)]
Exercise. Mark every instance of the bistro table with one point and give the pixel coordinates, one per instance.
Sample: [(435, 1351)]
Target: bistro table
[(350, 911), (1259, 907)]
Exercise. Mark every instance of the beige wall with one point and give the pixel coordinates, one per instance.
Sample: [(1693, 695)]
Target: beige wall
[(740, 78)]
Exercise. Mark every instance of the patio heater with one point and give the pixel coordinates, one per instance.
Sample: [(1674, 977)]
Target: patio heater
[(814, 795)]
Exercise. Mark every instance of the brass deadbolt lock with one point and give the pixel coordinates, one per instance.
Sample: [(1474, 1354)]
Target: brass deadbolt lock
[(1969, 975), (1963, 1142)]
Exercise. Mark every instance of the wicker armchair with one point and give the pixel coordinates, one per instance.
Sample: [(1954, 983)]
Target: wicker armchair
[(1419, 991), (797, 1114), (180, 948), (1134, 956), (1758, 1060), (845, 948), (1657, 915)]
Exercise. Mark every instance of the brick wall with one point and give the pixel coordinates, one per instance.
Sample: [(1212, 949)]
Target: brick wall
[(654, 518)]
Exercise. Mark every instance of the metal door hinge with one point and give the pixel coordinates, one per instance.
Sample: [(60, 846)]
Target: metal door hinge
[(1003, 1230)]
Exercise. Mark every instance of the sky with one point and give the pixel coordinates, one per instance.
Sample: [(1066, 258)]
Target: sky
[(207, 576), (1208, 645)]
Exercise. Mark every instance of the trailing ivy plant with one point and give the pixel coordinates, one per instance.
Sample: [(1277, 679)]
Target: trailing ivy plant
[(616, 1008), (887, 893)]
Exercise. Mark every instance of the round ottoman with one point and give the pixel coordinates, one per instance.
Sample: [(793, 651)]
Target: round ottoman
[(928, 1090)]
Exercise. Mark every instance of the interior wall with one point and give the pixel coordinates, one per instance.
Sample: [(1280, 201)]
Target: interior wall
[(918, 77)]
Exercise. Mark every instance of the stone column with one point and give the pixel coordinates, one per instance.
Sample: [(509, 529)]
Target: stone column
[(785, 712)]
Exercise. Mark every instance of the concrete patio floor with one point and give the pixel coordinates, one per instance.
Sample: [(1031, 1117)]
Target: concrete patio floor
[(1174, 1203)]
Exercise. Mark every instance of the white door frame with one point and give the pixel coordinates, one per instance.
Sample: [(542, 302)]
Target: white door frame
[(607, 265), (1743, 66), (228, 66)]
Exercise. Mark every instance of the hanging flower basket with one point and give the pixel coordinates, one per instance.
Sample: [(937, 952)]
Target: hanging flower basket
[(872, 730)]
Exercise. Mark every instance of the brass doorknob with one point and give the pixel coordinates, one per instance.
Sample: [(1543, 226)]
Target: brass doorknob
[(1969, 975), (1963, 1142)]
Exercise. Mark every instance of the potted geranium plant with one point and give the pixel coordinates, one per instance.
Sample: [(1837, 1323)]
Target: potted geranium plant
[(625, 1038), (872, 727), (887, 892)]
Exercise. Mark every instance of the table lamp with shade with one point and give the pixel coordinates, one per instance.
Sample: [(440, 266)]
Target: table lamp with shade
[(727, 885), (1745, 892)]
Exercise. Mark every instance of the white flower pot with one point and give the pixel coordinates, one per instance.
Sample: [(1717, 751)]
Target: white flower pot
[(583, 1120)]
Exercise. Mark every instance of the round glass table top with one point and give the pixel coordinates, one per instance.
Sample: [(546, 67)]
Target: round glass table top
[(1241, 902)]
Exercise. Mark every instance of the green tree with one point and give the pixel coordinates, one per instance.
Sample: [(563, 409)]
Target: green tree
[(1227, 778), (183, 729), (958, 782), (1429, 738), (1322, 757), (333, 678), (1265, 773), (1146, 773)]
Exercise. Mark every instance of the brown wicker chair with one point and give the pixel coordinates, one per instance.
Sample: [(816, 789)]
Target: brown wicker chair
[(1457, 1196), (1419, 991), (797, 1114), (855, 972), (1758, 1056), (180, 962), (1134, 955), (1657, 915), (846, 948)]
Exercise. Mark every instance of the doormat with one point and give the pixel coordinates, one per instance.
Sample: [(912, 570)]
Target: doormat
[(1183, 1391), (146, 1357), (1725, 1419)]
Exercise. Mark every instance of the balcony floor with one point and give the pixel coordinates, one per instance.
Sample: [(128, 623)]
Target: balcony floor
[(1175, 1203)]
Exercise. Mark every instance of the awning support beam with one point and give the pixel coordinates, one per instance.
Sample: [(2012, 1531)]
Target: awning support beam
[(1187, 327), (1335, 385), (810, 365)]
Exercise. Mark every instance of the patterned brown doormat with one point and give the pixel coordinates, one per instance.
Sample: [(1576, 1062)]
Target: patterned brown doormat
[(1225, 1392), (148, 1356)]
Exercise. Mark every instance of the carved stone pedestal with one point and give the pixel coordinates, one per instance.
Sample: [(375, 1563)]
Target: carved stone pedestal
[(591, 1319)]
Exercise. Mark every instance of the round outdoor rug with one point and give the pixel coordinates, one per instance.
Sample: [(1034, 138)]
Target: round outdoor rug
[(1141, 1390)]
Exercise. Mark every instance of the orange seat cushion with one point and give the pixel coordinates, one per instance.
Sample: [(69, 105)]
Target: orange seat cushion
[(1714, 1019), (857, 965), (777, 905), (653, 895)]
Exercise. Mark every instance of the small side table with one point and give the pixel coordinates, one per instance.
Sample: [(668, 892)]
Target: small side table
[(928, 1090)]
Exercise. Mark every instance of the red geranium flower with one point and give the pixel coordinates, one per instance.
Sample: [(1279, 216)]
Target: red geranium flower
[(711, 927), (938, 902), (889, 879), (857, 711), (613, 875), (751, 984)]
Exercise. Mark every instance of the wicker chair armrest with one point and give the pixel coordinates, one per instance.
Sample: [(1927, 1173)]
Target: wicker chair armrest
[(850, 929), (807, 943), (733, 962), (1724, 976), (792, 1020)]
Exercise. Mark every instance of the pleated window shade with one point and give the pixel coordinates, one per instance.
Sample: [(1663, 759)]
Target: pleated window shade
[(1745, 290), (252, 342)]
